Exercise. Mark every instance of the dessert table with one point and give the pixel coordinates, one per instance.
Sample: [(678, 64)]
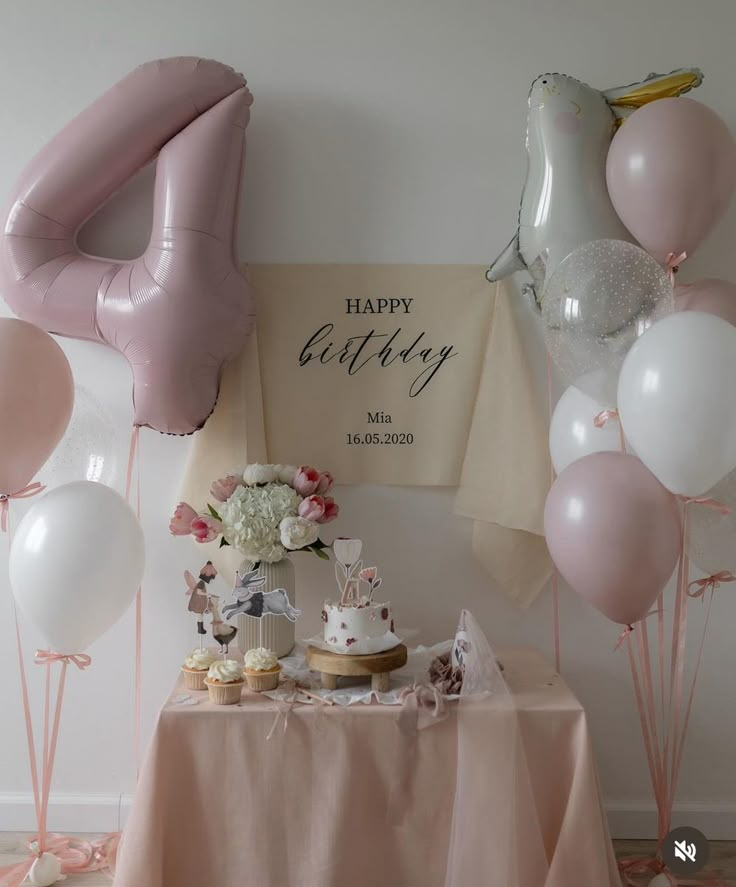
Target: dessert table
[(260, 795)]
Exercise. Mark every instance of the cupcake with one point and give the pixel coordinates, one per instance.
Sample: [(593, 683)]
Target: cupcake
[(262, 669), (225, 682), (195, 668)]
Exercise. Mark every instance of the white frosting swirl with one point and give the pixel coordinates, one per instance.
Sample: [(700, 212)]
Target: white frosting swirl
[(199, 660), (261, 659), (227, 671)]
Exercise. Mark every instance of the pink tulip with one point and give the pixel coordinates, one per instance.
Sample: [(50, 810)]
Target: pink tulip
[(306, 480), (223, 488), (368, 574), (332, 509), (312, 508), (205, 528), (326, 482), (181, 522)]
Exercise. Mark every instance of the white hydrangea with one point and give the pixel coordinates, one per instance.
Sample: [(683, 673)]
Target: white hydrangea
[(251, 519)]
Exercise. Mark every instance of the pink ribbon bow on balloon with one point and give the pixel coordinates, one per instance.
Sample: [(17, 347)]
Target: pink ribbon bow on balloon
[(602, 419), (630, 628), (26, 493), (673, 263), (712, 582), (46, 657)]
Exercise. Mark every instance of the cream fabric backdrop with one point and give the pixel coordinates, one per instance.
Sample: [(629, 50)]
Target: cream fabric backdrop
[(476, 424)]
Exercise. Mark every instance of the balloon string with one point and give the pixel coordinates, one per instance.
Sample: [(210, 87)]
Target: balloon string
[(555, 573), (28, 718), (30, 490), (680, 673), (681, 745), (135, 465)]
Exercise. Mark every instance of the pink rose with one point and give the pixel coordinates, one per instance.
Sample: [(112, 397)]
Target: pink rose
[(326, 481), (205, 528), (223, 488), (312, 508), (181, 522), (332, 509), (306, 480)]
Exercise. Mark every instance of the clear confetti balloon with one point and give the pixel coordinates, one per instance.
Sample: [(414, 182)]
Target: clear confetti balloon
[(711, 538), (598, 302), (89, 449)]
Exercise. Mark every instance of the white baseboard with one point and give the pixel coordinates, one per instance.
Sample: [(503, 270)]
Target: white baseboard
[(67, 812), (107, 813), (629, 819)]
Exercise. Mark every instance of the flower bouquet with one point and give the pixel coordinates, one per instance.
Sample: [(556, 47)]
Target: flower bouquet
[(265, 512)]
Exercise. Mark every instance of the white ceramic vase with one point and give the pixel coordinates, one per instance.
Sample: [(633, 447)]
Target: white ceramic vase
[(274, 632)]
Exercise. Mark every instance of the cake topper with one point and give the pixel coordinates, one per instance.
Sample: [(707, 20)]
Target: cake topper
[(257, 604), (348, 564), (223, 633), (370, 575), (199, 596)]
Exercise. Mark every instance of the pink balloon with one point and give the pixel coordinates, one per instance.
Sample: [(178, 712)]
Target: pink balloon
[(36, 400), (614, 533), (671, 172), (712, 296), (183, 308)]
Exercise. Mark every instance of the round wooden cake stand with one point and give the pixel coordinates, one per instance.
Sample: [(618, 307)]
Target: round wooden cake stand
[(377, 666)]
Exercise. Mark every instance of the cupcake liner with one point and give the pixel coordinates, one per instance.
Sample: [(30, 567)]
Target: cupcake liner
[(225, 694), (194, 678), (263, 680)]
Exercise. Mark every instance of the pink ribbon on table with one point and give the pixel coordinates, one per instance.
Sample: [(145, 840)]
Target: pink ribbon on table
[(31, 490), (708, 503), (673, 263), (76, 856), (46, 657), (602, 419), (712, 582), (422, 706)]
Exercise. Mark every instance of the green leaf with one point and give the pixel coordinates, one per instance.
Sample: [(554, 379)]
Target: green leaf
[(213, 513), (223, 542), (319, 544), (322, 555)]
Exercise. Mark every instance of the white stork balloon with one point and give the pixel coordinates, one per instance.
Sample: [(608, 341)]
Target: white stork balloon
[(565, 200)]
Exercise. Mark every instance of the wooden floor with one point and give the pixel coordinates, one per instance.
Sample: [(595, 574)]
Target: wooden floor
[(722, 855)]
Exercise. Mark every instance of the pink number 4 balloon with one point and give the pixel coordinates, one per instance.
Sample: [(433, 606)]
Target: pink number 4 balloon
[(183, 308)]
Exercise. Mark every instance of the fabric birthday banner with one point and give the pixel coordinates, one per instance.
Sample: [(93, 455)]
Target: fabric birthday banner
[(391, 374)]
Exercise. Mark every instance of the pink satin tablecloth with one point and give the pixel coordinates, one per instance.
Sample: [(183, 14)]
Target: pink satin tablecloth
[(342, 798)]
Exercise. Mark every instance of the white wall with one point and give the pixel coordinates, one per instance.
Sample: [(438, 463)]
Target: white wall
[(381, 132)]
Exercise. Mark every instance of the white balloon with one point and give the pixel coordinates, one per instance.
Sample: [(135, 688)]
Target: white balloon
[(76, 563), (572, 432), (88, 450), (677, 400)]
